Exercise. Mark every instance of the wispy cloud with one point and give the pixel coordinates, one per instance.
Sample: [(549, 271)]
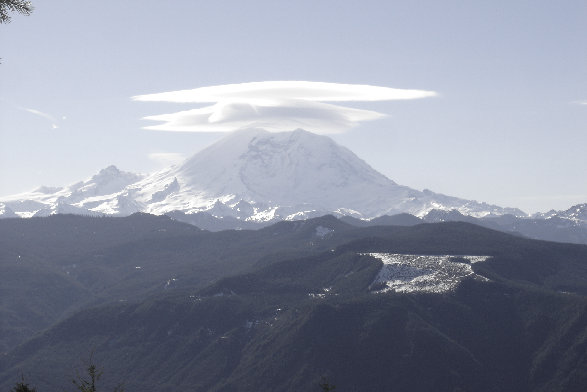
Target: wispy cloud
[(275, 106), (228, 116), (47, 116), (263, 92)]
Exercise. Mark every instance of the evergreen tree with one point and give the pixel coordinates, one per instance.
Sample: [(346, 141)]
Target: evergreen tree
[(22, 386), (325, 386), (87, 383), (21, 6)]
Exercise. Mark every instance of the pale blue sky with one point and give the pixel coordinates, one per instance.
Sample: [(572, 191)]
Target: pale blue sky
[(507, 127)]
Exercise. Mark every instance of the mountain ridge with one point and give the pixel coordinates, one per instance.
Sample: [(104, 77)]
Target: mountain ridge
[(250, 175), (283, 319)]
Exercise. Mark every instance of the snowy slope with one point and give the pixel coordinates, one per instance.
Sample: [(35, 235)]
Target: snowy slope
[(250, 175), (405, 273), (79, 198), (576, 215)]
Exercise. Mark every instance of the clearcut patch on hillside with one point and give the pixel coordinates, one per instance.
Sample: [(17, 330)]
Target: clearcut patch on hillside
[(423, 273)]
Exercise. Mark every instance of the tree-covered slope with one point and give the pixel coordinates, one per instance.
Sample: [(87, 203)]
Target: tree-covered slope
[(304, 306)]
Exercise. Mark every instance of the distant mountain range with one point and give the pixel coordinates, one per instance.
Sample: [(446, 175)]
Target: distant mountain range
[(253, 178), (348, 277)]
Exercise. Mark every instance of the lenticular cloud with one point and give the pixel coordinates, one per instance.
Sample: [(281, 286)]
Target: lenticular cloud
[(275, 106)]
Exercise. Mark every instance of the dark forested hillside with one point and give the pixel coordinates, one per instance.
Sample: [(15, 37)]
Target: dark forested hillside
[(282, 307)]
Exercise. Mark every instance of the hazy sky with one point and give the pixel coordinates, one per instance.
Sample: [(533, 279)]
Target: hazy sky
[(508, 126)]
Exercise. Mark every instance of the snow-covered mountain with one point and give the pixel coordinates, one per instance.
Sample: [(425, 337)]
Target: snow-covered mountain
[(89, 197), (576, 215), (250, 175)]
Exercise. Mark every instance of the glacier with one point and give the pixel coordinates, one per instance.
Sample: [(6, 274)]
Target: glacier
[(250, 175)]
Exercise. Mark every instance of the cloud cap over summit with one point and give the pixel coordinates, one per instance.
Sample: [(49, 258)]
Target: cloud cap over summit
[(275, 106)]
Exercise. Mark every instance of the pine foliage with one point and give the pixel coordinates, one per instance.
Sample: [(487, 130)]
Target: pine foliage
[(22, 386), (87, 383), (21, 6)]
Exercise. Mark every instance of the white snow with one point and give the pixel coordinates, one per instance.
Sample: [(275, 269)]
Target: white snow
[(576, 215), (424, 273), (323, 293), (250, 175), (6, 212)]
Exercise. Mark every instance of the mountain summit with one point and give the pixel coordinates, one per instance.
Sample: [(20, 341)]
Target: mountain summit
[(251, 175)]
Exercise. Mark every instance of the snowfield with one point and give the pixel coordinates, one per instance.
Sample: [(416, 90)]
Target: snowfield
[(250, 175), (424, 273)]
